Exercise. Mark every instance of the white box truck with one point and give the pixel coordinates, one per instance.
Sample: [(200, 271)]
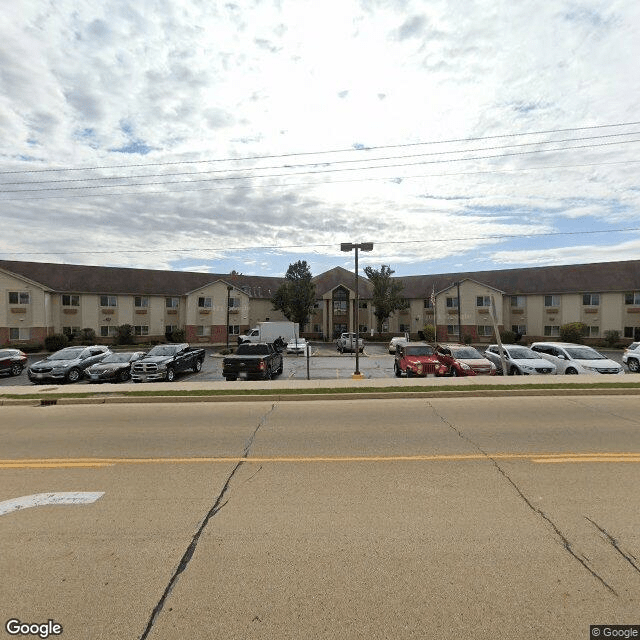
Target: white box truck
[(271, 331)]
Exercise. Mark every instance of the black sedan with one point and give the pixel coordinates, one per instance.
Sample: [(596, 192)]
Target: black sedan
[(12, 361), (116, 367)]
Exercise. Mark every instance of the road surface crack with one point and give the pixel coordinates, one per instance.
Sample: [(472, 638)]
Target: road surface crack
[(628, 556), (584, 561), (219, 503)]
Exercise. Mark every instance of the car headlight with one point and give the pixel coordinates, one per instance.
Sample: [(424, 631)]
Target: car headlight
[(527, 368), (589, 368), (162, 366)]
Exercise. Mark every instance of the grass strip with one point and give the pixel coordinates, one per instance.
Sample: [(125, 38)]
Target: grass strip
[(321, 391)]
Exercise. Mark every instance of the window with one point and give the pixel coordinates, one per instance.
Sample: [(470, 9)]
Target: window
[(170, 328), (404, 327), (552, 330), (452, 303), (171, 303), (317, 328), (552, 301), (591, 299), (204, 303), (234, 303), (21, 333), (518, 301), (340, 307), (107, 331), (519, 328), (141, 301), (427, 304), (70, 300), (202, 331), (71, 332), (363, 328), (18, 297), (108, 301), (593, 332), (234, 329), (452, 329), (632, 332), (141, 330), (483, 301), (632, 298), (485, 330)]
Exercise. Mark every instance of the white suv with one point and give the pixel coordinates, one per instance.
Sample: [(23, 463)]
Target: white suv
[(575, 358), (631, 357)]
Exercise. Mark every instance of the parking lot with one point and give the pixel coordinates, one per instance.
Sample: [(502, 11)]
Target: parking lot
[(325, 363)]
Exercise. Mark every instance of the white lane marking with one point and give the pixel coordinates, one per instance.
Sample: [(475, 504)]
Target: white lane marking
[(42, 499)]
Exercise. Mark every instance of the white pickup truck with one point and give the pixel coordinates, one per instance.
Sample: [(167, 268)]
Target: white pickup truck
[(347, 342)]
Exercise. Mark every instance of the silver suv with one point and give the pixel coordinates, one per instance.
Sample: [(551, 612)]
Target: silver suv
[(576, 358), (631, 357), (67, 365)]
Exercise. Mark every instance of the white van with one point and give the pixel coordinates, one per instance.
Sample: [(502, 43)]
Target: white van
[(576, 358)]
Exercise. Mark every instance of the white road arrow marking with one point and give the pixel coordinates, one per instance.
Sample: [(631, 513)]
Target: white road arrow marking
[(42, 499)]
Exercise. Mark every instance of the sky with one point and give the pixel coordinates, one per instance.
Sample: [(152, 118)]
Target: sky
[(207, 136)]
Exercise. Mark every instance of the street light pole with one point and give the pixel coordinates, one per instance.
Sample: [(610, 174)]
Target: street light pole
[(229, 287), (459, 329), (364, 246)]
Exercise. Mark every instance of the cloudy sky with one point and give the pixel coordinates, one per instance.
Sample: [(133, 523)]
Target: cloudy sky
[(210, 136)]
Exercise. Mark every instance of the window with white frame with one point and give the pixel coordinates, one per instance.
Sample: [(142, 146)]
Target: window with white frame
[(593, 331), (70, 300), (484, 330), (70, 332), (19, 333), (203, 330), (519, 328), (234, 329), (170, 328), (452, 329), (483, 301), (552, 301), (204, 303), (552, 330), (108, 301), (518, 301), (19, 297), (632, 332), (107, 331), (141, 301), (234, 303), (452, 303), (141, 330), (363, 305), (363, 328), (171, 303), (591, 299), (404, 327), (632, 297)]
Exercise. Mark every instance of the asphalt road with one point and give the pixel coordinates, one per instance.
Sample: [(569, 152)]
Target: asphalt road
[(456, 518), (325, 364)]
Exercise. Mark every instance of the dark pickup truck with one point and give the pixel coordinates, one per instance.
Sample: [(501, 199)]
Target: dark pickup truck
[(253, 360), (165, 360)]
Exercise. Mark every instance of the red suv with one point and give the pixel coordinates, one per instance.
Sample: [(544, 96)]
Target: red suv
[(416, 359)]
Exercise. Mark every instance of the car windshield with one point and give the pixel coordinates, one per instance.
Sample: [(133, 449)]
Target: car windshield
[(66, 354), (419, 351), (522, 353), (465, 352), (584, 353), (163, 350), (8, 352), (117, 357)]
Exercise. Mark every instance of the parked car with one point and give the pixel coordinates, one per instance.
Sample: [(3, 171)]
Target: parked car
[(348, 342), (631, 357), (416, 359), (576, 358), (67, 365), (519, 360), (12, 361), (464, 360), (165, 360), (253, 360), (297, 345), (395, 341), (116, 367)]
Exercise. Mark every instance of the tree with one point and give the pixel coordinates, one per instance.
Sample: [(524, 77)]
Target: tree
[(297, 294), (573, 332), (387, 293)]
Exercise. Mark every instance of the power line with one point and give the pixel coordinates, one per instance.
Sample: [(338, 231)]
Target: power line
[(324, 171), (316, 164), (322, 246), (324, 152)]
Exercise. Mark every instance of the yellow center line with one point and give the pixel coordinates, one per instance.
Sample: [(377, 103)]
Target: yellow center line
[(538, 458)]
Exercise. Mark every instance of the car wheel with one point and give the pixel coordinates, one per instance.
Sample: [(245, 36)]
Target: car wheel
[(16, 369), (633, 365), (454, 372), (280, 369), (396, 370), (514, 371), (230, 378), (571, 372), (171, 375), (74, 375), (268, 374), (124, 376), (197, 366)]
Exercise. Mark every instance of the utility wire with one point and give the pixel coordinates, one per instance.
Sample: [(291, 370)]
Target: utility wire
[(324, 152), (324, 171)]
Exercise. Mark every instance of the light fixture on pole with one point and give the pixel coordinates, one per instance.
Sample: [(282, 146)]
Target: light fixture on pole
[(363, 246)]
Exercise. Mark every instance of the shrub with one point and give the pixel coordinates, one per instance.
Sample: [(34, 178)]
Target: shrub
[(178, 335), (467, 338), (508, 337), (88, 336), (124, 334), (429, 332), (611, 338), (573, 332), (56, 342), (31, 347)]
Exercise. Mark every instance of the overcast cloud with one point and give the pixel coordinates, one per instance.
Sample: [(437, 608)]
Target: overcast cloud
[(186, 131)]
